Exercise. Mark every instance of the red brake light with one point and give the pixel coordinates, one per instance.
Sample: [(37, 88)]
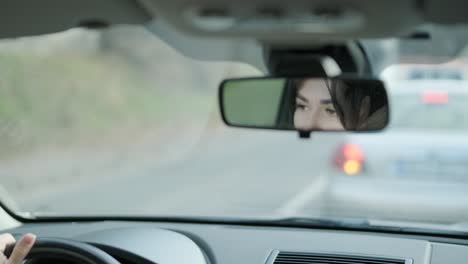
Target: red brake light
[(349, 158), (352, 152), (435, 97)]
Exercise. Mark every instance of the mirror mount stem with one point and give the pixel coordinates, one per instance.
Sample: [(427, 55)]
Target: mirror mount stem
[(304, 134)]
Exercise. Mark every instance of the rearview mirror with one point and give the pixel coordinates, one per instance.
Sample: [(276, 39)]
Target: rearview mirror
[(305, 104)]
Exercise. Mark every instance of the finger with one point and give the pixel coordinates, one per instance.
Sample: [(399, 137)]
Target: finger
[(5, 240), (22, 249)]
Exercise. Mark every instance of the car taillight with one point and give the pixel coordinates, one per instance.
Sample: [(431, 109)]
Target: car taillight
[(349, 158), (435, 97)]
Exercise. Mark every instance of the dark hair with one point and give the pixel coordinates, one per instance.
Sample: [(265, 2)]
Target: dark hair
[(347, 98)]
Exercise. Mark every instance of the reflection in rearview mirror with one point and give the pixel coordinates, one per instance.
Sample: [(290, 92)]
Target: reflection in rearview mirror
[(305, 104)]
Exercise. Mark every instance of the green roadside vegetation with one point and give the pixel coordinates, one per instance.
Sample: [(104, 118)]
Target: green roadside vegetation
[(71, 97), (253, 102)]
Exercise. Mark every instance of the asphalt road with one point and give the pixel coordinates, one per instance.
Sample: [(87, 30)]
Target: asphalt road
[(231, 174)]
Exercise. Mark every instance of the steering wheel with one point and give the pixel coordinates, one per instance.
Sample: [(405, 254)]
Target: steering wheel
[(68, 250)]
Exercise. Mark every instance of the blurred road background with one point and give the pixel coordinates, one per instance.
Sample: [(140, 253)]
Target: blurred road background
[(120, 123), (218, 177)]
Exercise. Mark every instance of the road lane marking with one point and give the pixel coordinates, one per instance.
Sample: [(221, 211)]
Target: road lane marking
[(298, 202)]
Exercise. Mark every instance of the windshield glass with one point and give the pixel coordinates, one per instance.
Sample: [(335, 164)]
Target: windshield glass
[(117, 122)]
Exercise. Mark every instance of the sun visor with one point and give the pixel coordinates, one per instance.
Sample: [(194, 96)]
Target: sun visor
[(26, 18)]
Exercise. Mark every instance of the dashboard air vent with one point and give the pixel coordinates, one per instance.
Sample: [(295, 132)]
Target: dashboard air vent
[(284, 257)]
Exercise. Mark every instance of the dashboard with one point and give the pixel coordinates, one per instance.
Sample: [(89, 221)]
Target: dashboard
[(195, 243)]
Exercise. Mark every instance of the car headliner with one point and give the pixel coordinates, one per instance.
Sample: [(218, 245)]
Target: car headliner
[(22, 17), (165, 18)]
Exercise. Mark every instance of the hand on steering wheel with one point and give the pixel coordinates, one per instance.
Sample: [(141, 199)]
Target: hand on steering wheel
[(22, 248), (29, 248)]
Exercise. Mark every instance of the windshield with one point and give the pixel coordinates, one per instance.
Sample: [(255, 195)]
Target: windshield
[(117, 122)]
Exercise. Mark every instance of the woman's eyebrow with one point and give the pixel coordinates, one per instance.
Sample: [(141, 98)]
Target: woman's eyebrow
[(303, 98), (326, 101)]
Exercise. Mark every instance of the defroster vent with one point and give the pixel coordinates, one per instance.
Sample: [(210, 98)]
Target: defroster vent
[(284, 257)]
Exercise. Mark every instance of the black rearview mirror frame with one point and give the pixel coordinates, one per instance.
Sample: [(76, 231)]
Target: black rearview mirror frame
[(303, 133)]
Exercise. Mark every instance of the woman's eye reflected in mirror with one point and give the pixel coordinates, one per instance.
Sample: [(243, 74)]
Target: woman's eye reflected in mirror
[(301, 107), (331, 111)]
